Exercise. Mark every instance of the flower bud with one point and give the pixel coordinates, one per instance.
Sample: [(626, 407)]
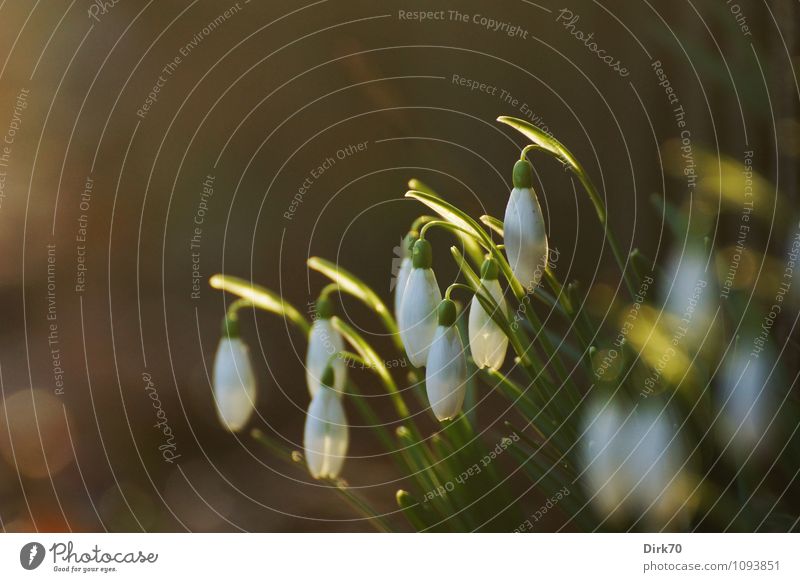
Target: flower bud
[(487, 341), (234, 380), (325, 437), (324, 343), (446, 373), (417, 317), (524, 233), (405, 270)]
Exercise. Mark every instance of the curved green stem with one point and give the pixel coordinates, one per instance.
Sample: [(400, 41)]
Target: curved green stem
[(421, 220), (452, 228), (524, 153), (461, 286)]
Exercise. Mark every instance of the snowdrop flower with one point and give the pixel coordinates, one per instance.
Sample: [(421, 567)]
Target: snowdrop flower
[(690, 295), (234, 380), (487, 341), (446, 373), (524, 233), (421, 297), (744, 397), (633, 462), (404, 272), (324, 345), (603, 454), (654, 469), (325, 437)]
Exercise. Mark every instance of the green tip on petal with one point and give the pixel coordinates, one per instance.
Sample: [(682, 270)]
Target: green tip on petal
[(490, 270), (324, 308), (422, 254), (523, 174), (230, 327), (327, 377), (447, 313)]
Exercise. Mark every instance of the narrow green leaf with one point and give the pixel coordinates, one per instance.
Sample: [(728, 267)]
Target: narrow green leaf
[(261, 297), (494, 223), (541, 139), (374, 362), (466, 270), (412, 509), (449, 212), (463, 220), (351, 284)]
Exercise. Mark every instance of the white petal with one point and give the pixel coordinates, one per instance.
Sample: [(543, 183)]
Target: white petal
[(417, 319), (446, 374), (234, 383), (689, 291), (744, 398), (326, 435), (525, 237), (604, 450), (635, 464), (487, 341), (400, 285), (323, 343)]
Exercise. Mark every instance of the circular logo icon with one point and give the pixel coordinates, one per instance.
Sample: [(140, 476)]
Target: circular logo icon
[(31, 555)]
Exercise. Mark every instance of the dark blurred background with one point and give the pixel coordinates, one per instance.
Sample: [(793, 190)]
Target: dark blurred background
[(263, 94)]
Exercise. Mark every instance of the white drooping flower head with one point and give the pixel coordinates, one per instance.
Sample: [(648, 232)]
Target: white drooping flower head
[(405, 270), (524, 233), (326, 434), (446, 372), (690, 293), (421, 298), (234, 380), (745, 397), (635, 466), (325, 344), (487, 342)]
